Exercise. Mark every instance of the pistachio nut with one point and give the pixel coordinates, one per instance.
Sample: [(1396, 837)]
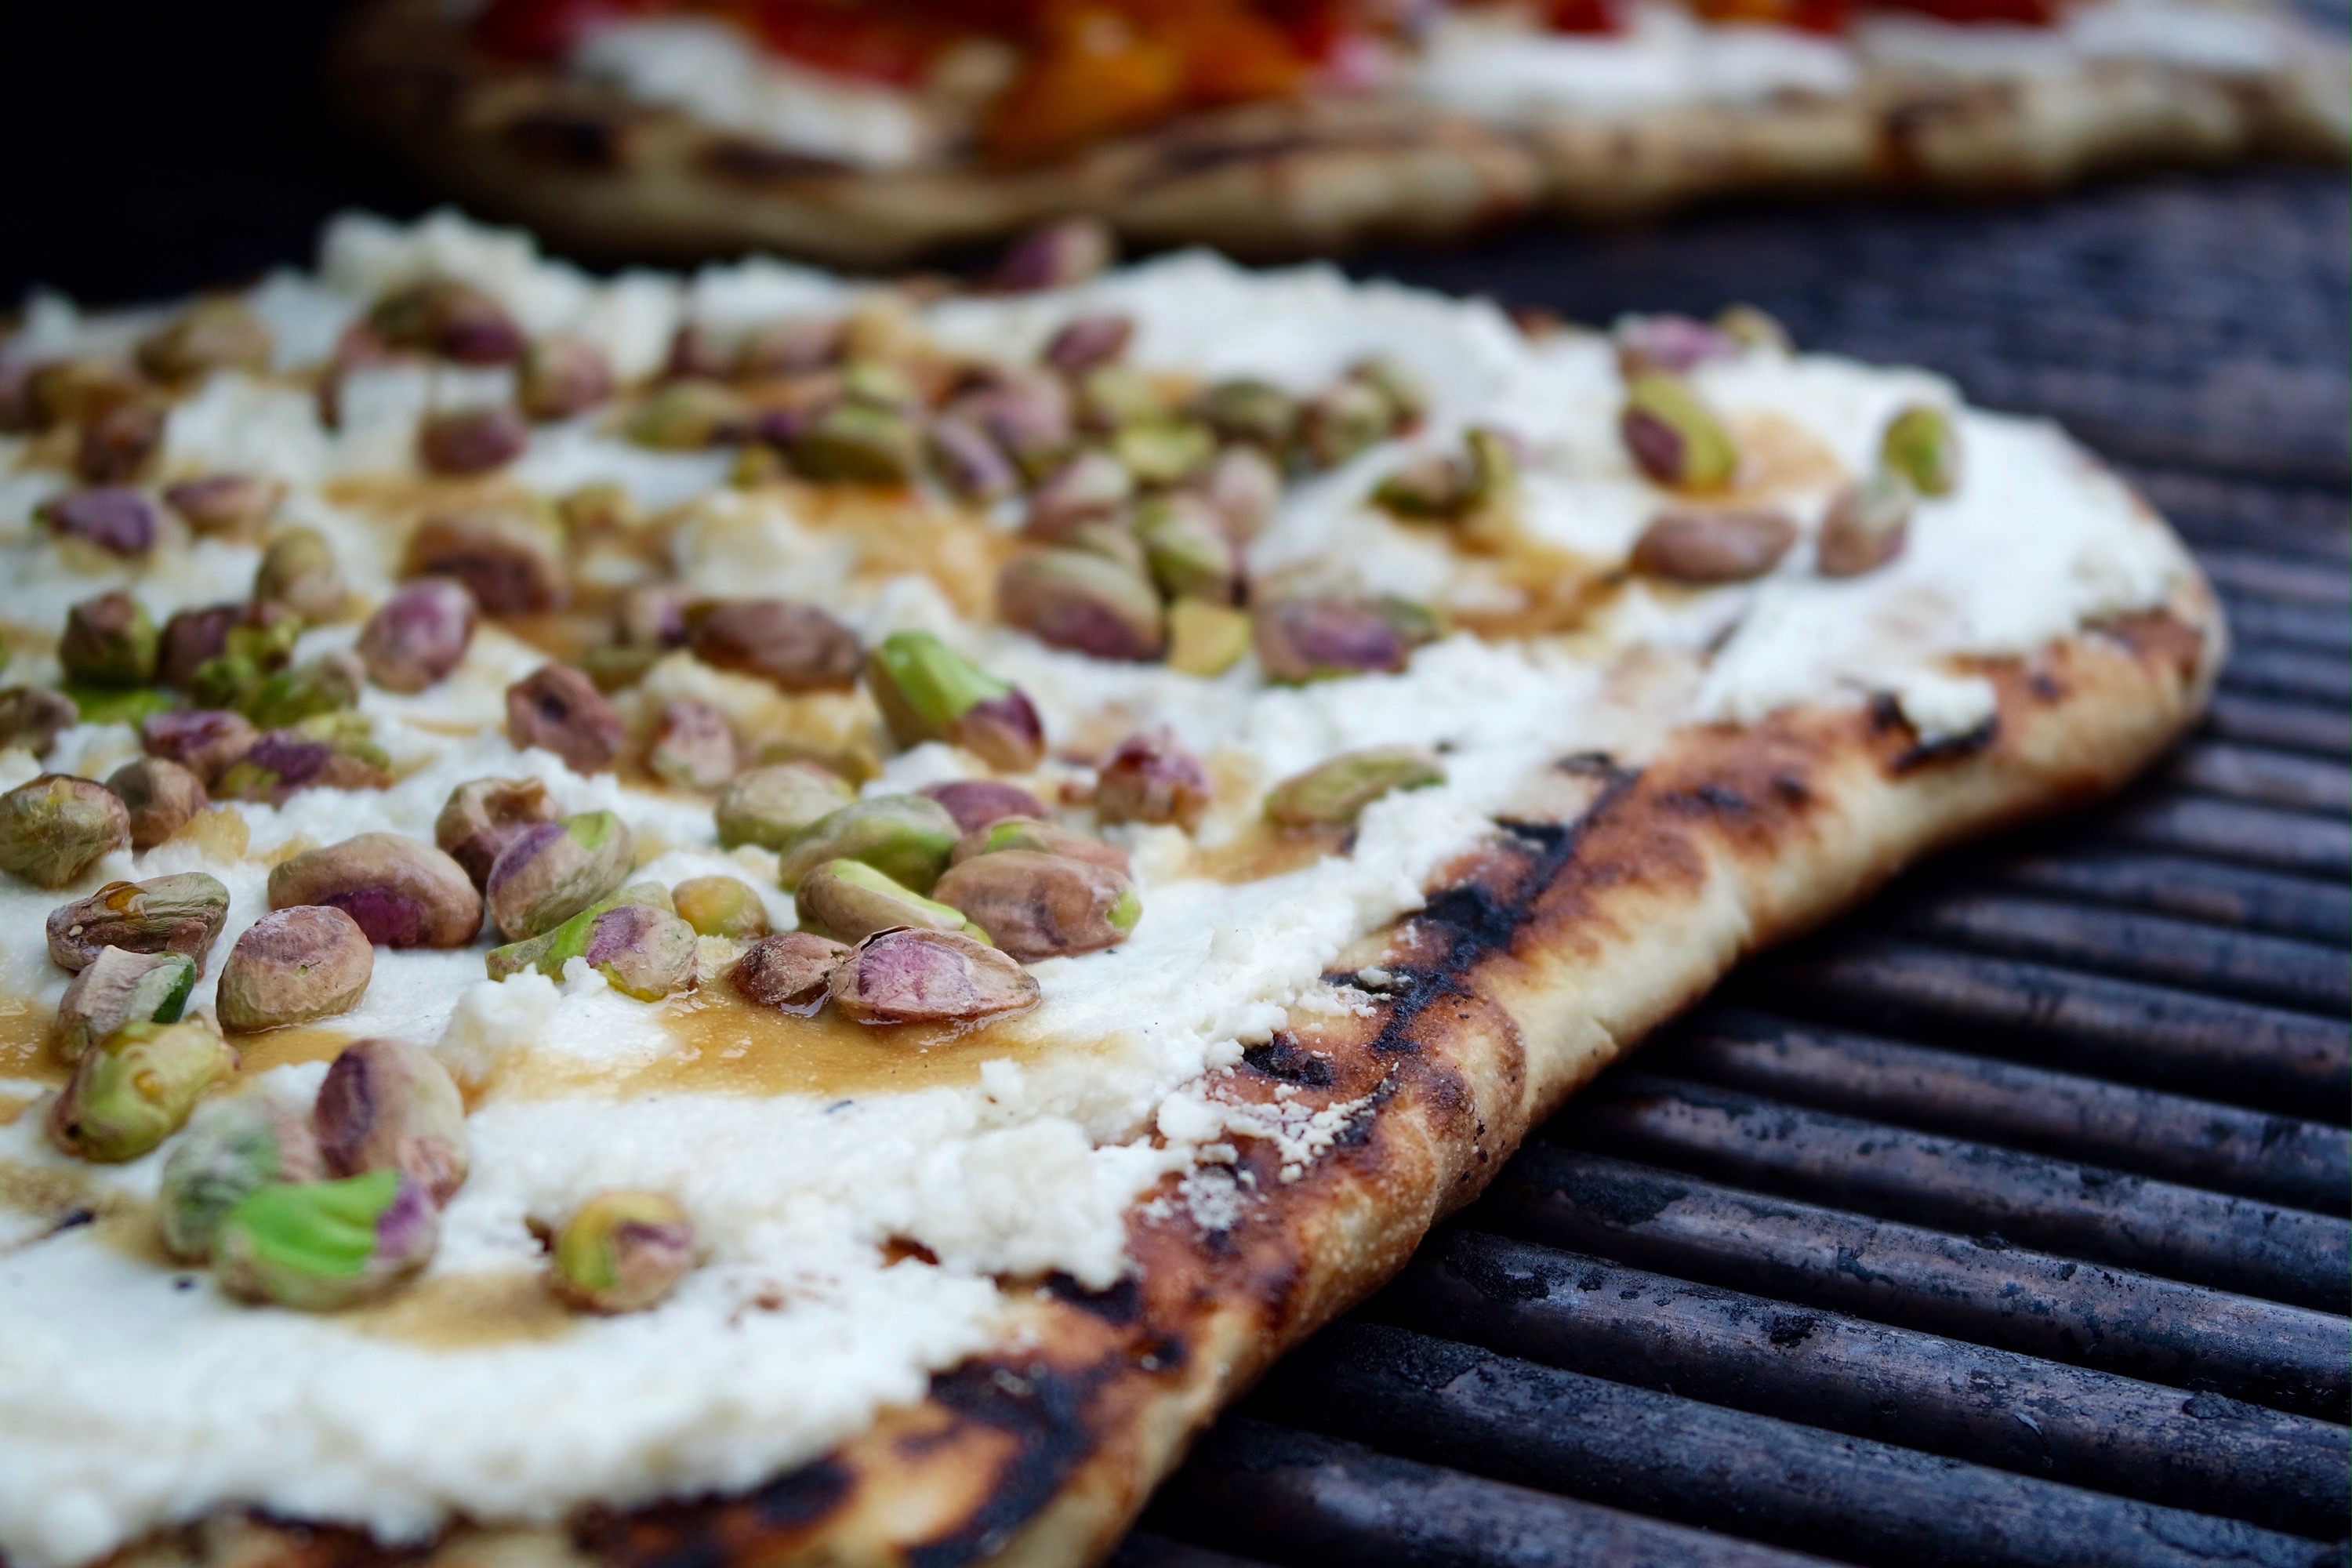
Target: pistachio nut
[(720, 906), (403, 893), (695, 354), (217, 333), (1334, 794), (510, 561), (1923, 445), (769, 806), (1190, 551), (1244, 486), (1343, 422), (653, 616), (688, 415), (134, 1088), (68, 391), (795, 648), (791, 348), (1303, 639), (976, 803), (1088, 340), (878, 384), (905, 837), (320, 1247), (1667, 344), (108, 641), (1037, 905), (1255, 412), (1673, 438), (325, 685), (297, 571), (32, 718), (858, 443), (161, 797), (192, 639), (1091, 486), (969, 463), (483, 816), (1400, 388), (788, 971), (1057, 255), (1151, 778), (692, 746), (849, 900), (467, 441), (441, 316), (623, 1252), (1205, 639), (640, 950), (1866, 525), (119, 988), (1111, 396), (558, 709), (1686, 545), (119, 444), (233, 1149), (1753, 328), (388, 1105), (928, 691), (1038, 837), (1027, 413), (1076, 600), (115, 518), (293, 965), (552, 870), (419, 635), (130, 705), (1164, 451), (928, 977), (328, 750), (1430, 485), (204, 741), (562, 376), (232, 505), (55, 827)]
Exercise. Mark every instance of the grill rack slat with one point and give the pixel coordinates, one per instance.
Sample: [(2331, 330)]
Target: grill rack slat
[(1791, 1485), (2159, 990), (1898, 1385)]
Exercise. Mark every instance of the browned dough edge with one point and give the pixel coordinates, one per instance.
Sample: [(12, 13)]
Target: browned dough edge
[(603, 176), (1546, 954)]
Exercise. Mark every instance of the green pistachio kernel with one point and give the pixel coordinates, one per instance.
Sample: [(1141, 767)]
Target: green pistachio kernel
[(135, 1088), (768, 806), (849, 900), (1335, 793), (320, 1247), (720, 906), (1922, 446), (233, 1149), (623, 1252), (1163, 451), (1674, 437), (928, 691), (858, 443), (109, 641), (119, 988), (906, 837)]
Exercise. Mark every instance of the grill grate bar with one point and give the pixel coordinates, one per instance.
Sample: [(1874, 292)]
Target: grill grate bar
[(2252, 835), (2236, 1052), (2208, 509), (2084, 1212), (2291, 625), (2199, 889), (2276, 577), (1273, 1490), (2148, 947), (2289, 672), (1767, 1478), (1981, 1290), (1896, 1385), (2267, 722), (2263, 777), (2191, 1141)]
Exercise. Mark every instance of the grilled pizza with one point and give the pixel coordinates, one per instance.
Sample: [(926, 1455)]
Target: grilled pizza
[(758, 917), (866, 132)]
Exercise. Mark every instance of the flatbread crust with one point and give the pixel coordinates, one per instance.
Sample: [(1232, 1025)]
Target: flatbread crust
[(1543, 956), (601, 175)]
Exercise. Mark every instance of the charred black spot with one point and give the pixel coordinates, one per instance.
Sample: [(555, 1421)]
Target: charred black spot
[(1928, 752), (1043, 1409), (1706, 800), (1789, 1329), (1495, 1280), (1162, 1352), (566, 137), (1588, 764), (1791, 790), (804, 1495), (1121, 1303), (1283, 1058), (1624, 1199), (695, 1534), (757, 163)]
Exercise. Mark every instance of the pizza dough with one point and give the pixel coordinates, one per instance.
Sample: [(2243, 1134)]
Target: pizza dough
[(673, 137), (974, 1290)]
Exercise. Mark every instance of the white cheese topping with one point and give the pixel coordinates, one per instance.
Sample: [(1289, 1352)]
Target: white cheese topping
[(130, 1401)]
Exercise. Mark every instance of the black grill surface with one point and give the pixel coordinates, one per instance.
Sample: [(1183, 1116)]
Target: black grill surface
[(2006, 1221)]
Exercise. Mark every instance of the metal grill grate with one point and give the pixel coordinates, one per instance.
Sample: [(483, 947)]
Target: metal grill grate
[(2005, 1222)]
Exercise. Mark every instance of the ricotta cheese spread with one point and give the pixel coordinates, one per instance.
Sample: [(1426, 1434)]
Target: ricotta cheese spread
[(853, 1243)]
